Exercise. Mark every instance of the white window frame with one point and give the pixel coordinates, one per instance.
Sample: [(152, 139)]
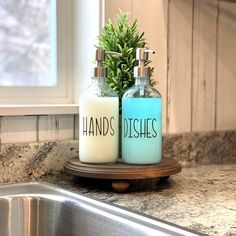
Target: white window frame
[(75, 46)]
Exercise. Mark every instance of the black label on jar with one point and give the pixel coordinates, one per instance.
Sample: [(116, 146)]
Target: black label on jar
[(100, 126)]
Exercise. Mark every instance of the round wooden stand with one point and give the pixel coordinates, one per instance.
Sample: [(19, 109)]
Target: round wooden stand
[(120, 173)]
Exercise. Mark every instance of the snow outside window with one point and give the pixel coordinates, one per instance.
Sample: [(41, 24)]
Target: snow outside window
[(28, 43)]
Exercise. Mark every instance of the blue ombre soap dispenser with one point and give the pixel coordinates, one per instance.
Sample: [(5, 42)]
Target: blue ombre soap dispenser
[(142, 117)]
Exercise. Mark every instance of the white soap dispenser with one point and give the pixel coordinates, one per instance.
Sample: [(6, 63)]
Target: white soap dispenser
[(99, 118)]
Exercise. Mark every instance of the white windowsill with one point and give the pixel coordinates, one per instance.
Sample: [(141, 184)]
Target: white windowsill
[(25, 110)]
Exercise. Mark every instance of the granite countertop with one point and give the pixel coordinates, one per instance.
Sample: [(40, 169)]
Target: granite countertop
[(202, 198)]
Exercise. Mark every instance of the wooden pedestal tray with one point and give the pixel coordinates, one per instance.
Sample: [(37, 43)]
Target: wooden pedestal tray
[(121, 173)]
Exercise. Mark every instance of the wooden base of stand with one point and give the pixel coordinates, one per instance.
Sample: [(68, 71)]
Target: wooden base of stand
[(121, 173)]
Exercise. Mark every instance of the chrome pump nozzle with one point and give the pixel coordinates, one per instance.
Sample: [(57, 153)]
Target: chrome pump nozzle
[(142, 55), (100, 70)]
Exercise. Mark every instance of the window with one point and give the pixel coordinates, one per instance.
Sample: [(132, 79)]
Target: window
[(46, 49), (28, 43)]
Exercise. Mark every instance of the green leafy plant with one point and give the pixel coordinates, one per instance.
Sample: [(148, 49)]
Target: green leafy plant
[(120, 36)]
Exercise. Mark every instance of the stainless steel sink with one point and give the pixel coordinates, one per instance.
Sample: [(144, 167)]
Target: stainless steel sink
[(35, 209)]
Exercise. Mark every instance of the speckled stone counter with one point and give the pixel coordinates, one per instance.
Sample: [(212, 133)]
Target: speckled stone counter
[(202, 197)]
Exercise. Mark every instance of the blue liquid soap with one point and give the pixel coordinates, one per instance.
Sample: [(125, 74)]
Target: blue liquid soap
[(142, 130), (142, 116)]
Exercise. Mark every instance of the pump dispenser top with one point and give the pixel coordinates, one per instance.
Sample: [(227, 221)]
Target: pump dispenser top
[(100, 71), (142, 55)]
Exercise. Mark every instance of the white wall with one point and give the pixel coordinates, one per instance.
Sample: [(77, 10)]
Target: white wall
[(195, 60), (38, 128)]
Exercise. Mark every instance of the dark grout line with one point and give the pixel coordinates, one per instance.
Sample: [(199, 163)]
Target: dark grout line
[(37, 128), (192, 50), (168, 67), (216, 63), (74, 120)]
